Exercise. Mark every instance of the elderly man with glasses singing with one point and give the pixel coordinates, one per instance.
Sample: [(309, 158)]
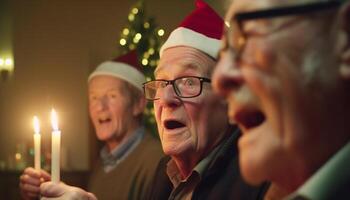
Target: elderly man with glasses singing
[(285, 72), (200, 144)]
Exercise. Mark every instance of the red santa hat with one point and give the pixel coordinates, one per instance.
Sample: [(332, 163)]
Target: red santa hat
[(125, 67), (202, 29)]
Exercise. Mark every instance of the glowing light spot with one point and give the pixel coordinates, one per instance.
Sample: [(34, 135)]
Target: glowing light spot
[(144, 61), (138, 36), (132, 46), (8, 62), (126, 31), (135, 11), (151, 51), (161, 32), (122, 42), (146, 25), (131, 17), (18, 156)]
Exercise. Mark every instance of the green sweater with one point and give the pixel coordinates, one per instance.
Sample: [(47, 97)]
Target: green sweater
[(131, 178)]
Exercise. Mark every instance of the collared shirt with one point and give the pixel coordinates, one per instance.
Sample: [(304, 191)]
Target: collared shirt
[(330, 176), (183, 188), (111, 159)]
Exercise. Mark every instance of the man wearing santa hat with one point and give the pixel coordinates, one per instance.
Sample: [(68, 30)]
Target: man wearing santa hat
[(200, 144), (129, 157)]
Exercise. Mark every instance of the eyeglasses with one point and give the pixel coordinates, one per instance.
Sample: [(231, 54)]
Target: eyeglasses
[(184, 87), (236, 38)]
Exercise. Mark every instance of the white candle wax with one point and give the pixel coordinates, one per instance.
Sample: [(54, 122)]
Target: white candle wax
[(37, 140), (55, 148), (55, 162)]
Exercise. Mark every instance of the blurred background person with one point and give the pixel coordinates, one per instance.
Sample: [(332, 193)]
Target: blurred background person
[(130, 155)]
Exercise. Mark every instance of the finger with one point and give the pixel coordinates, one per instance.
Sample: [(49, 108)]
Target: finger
[(46, 176), (30, 188), (25, 179), (32, 172)]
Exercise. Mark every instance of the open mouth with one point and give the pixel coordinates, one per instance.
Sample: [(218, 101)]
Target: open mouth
[(250, 119), (173, 124), (102, 121)]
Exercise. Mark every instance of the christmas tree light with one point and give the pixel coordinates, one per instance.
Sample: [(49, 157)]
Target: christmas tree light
[(144, 35)]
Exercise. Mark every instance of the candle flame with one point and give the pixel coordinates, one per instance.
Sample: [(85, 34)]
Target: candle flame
[(54, 120), (36, 125)]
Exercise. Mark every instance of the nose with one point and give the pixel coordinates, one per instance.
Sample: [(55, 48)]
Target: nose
[(101, 104), (227, 76), (169, 97)]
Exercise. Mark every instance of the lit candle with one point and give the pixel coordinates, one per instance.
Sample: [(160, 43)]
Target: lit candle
[(55, 148), (37, 139)]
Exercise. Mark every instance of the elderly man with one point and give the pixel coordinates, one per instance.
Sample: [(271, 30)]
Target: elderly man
[(200, 144), (130, 156), (285, 71)]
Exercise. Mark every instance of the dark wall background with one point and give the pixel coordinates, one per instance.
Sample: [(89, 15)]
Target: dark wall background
[(56, 44)]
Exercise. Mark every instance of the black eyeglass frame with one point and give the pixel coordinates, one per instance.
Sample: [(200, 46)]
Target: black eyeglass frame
[(172, 82), (237, 20)]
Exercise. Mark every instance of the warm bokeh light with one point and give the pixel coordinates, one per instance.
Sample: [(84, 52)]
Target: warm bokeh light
[(131, 17), (18, 156), (144, 61), (122, 42), (151, 51), (135, 11), (146, 25), (138, 36), (126, 31), (8, 62), (161, 32)]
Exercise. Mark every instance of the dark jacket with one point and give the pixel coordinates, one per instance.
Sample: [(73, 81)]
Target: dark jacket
[(222, 180)]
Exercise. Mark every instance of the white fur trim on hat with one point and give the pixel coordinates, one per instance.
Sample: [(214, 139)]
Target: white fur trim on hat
[(120, 70), (187, 37)]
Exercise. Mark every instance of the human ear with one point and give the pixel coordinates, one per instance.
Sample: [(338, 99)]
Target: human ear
[(139, 106)]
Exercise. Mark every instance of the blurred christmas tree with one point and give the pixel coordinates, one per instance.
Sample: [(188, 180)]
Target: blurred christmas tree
[(144, 35)]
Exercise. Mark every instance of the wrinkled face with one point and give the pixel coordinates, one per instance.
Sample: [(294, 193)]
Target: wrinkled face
[(188, 127), (279, 89), (110, 108)]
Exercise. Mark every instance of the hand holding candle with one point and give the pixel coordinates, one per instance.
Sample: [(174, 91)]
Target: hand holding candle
[(55, 148), (37, 139)]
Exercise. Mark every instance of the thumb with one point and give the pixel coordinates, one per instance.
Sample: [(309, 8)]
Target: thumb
[(50, 189), (91, 196)]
